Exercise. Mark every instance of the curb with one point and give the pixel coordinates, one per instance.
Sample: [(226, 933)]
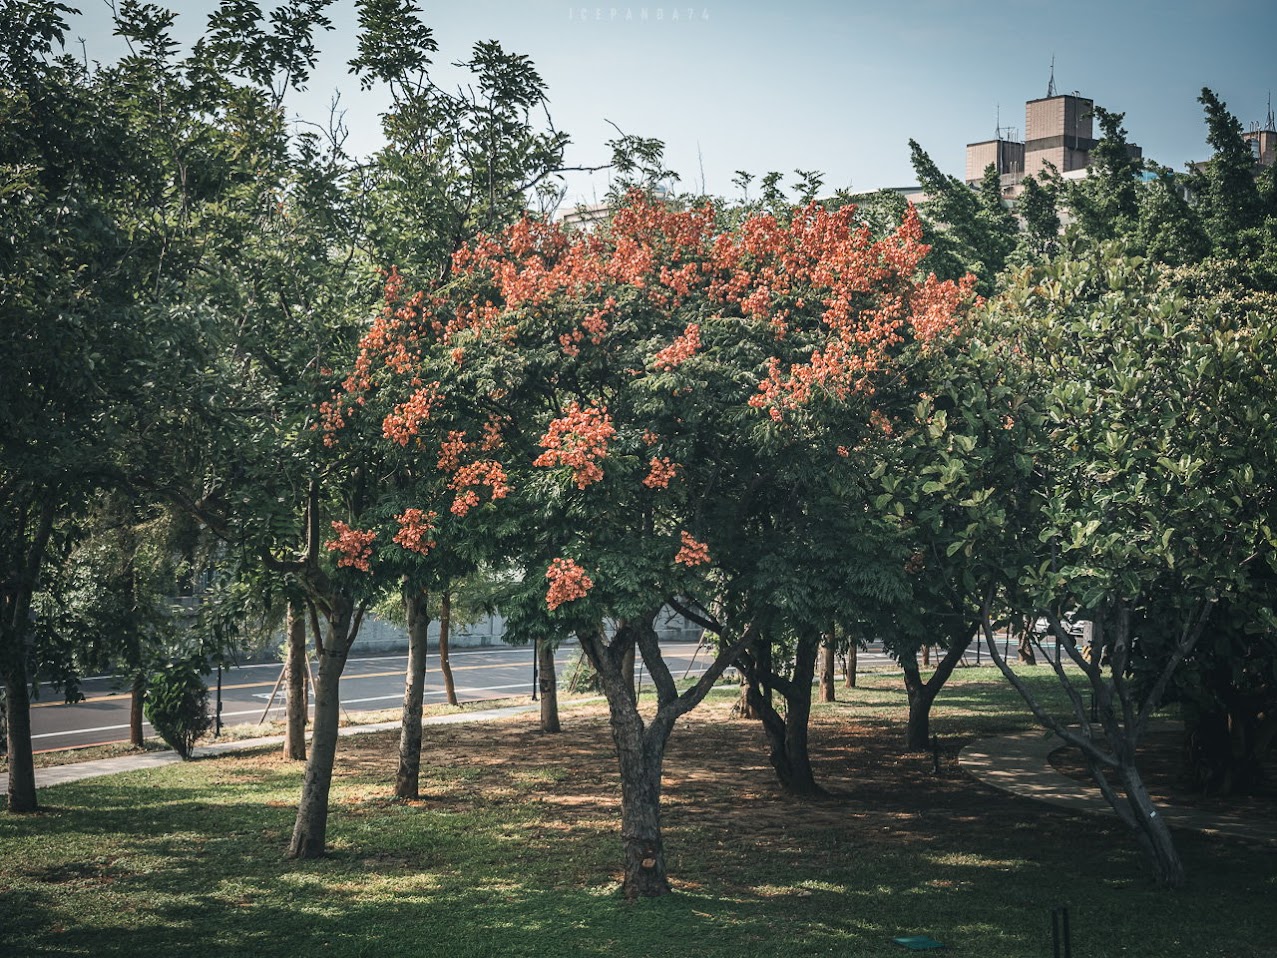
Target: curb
[(60, 774)]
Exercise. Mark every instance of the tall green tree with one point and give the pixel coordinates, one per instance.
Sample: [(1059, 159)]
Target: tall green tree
[(969, 231), (1225, 189), (1154, 508), (105, 187), (1106, 203)]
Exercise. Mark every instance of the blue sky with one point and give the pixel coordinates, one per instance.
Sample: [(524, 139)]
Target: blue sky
[(836, 87)]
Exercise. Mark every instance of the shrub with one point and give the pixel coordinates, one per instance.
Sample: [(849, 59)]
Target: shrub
[(177, 706)]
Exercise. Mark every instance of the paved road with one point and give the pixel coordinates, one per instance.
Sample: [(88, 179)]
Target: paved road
[(374, 682)]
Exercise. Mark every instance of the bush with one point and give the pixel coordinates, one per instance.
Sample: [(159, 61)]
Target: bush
[(177, 706)]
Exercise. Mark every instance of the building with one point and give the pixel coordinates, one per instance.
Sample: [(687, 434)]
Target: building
[(1059, 131), (1263, 141)]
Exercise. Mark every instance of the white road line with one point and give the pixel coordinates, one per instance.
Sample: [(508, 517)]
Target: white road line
[(461, 690)]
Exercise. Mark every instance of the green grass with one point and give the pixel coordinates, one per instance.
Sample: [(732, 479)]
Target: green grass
[(515, 852)]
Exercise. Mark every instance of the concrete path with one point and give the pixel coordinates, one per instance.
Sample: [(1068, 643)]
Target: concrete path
[(1020, 764), (57, 774)]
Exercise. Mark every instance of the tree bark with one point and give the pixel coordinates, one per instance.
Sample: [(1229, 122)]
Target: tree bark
[(445, 627), (22, 797), (827, 669), (1152, 831), (296, 704), (850, 664), (408, 776), (744, 705), (921, 698), (1024, 649), (787, 737), (640, 747), (548, 687), (19, 584), (312, 811), (629, 669), (922, 695), (640, 760), (136, 698)]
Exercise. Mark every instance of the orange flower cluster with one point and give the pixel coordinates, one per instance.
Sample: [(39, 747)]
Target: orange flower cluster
[(660, 474), (578, 440), (492, 434), (451, 451), (485, 472), (568, 582), (416, 529), (681, 350), (692, 553), (392, 342), (354, 545), (404, 421)]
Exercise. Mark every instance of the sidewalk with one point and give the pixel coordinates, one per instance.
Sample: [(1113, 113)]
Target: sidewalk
[(1020, 764), (58, 774)]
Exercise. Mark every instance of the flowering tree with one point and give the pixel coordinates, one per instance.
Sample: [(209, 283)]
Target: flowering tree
[(620, 413)]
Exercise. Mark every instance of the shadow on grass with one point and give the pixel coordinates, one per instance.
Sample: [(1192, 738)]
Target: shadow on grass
[(514, 851)]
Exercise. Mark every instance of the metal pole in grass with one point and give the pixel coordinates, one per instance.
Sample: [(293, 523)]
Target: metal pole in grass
[(217, 718), (1060, 935), (536, 658)]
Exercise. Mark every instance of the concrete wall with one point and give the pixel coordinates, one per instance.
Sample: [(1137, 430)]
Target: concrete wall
[(377, 635)]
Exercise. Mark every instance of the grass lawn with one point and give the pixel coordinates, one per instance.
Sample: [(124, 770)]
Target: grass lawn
[(515, 851)]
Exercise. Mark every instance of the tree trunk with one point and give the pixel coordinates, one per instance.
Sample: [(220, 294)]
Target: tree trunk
[(1025, 649), (787, 737), (19, 585), (850, 664), (296, 704), (827, 669), (1152, 831), (629, 670), (641, 749), (408, 777), (640, 763), (918, 729), (923, 694), (18, 718), (548, 687), (445, 626), (745, 705), (312, 811), (137, 697), (926, 656)]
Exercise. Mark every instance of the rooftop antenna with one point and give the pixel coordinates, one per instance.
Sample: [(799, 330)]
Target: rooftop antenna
[(1050, 86), (1271, 125)]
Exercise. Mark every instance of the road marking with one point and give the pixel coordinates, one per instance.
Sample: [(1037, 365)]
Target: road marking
[(350, 677)]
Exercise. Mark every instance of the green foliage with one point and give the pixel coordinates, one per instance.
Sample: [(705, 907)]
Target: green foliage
[(1154, 407), (1039, 206), (1105, 204), (177, 705), (1228, 197), (969, 231), (1170, 230)]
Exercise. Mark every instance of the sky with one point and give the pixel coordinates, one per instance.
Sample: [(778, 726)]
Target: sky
[(760, 85)]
